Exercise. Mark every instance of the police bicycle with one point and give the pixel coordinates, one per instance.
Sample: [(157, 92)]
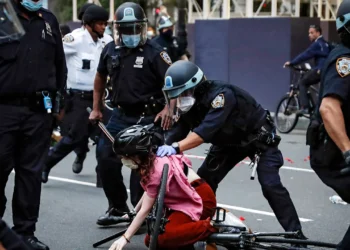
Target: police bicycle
[(287, 112)]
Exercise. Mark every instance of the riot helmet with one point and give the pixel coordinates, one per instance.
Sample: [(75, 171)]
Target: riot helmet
[(83, 9), (343, 16), (165, 26), (10, 26), (137, 140), (181, 79), (131, 25), (93, 15)]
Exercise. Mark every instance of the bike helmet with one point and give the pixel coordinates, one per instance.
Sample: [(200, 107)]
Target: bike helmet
[(181, 79), (164, 22), (343, 15), (83, 9), (131, 24), (137, 140)]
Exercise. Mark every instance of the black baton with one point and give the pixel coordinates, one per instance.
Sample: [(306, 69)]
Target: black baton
[(102, 127)]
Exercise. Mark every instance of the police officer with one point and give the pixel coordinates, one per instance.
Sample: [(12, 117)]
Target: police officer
[(32, 74), (137, 67), (168, 41), (318, 50), (82, 50), (329, 131), (237, 127), (10, 28)]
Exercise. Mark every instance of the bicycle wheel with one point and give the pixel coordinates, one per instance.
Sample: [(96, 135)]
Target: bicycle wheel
[(286, 117), (158, 209)]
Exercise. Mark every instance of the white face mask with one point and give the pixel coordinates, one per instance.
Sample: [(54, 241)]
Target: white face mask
[(184, 104), (129, 163)]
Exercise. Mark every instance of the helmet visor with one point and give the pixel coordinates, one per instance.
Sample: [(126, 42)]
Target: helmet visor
[(132, 34), (10, 26)]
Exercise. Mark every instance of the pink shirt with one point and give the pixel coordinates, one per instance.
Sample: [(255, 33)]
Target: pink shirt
[(179, 195)]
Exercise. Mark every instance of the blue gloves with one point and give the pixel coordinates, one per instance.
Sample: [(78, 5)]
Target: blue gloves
[(166, 150)]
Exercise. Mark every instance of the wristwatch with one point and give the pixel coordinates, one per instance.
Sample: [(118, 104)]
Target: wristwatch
[(176, 146)]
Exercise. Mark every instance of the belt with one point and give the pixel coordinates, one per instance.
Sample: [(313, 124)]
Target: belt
[(34, 99), (84, 94), (140, 110)]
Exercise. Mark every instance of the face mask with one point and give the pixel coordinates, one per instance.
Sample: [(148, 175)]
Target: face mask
[(32, 6), (131, 41), (168, 33), (129, 163), (150, 34), (184, 104)]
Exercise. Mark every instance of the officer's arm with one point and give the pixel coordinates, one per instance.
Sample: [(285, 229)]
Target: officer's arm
[(306, 55), (60, 60), (100, 80), (9, 239), (335, 92), (221, 108), (160, 65), (70, 45)]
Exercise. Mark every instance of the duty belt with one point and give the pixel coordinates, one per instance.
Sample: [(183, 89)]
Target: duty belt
[(30, 100), (84, 94)]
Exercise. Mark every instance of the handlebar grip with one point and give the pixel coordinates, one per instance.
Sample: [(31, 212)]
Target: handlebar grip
[(345, 171)]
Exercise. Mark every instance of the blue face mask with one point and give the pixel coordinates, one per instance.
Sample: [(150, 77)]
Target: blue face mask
[(32, 6), (131, 41)]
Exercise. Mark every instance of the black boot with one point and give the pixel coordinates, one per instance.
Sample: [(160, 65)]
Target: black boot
[(113, 216), (34, 243), (77, 166)]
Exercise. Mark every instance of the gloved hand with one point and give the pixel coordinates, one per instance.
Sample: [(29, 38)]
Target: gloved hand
[(166, 150)]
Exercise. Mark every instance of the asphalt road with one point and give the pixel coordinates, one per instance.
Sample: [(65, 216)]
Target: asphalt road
[(70, 203)]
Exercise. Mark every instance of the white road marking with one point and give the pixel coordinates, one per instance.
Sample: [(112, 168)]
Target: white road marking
[(248, 162), (248, 210)]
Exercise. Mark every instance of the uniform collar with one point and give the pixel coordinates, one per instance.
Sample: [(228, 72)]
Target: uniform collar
[(89, 37), (20, 13)]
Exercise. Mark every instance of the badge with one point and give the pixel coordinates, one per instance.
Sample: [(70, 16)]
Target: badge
[(48, 29), (218, 102), (139, 62), (165, 57), (68, 38), (343, 66)]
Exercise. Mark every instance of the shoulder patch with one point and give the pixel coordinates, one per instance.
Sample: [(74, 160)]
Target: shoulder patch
[(68, 38), (343, 66), (165, 57), (218, 102)]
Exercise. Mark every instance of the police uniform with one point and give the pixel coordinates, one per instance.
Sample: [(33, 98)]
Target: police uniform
[(30, 68), (137, 77), (82, 56), (325, 157), (237, 127), (171, 46)]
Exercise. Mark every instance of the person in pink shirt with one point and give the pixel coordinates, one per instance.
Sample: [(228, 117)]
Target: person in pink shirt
[(189, 200)]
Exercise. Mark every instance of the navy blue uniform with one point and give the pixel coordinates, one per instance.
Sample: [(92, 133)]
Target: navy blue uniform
[(28, 67), (230, 119), (137, 76), (335, 82), (171, 46)]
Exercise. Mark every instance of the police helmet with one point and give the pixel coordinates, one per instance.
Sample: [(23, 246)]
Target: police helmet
[(137, 140), (83, 9), (10, 26), (131, 24), (164, 22), (95, 13), (343, 15)]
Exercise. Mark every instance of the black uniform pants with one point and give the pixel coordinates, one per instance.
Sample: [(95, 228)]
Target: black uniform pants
[(24, 142), (268, 176), (111, 166), (78, 129), (310, 78), (330, 175)]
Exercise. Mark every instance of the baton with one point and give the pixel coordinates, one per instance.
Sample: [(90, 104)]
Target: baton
[(112, 237), (102, 127)]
